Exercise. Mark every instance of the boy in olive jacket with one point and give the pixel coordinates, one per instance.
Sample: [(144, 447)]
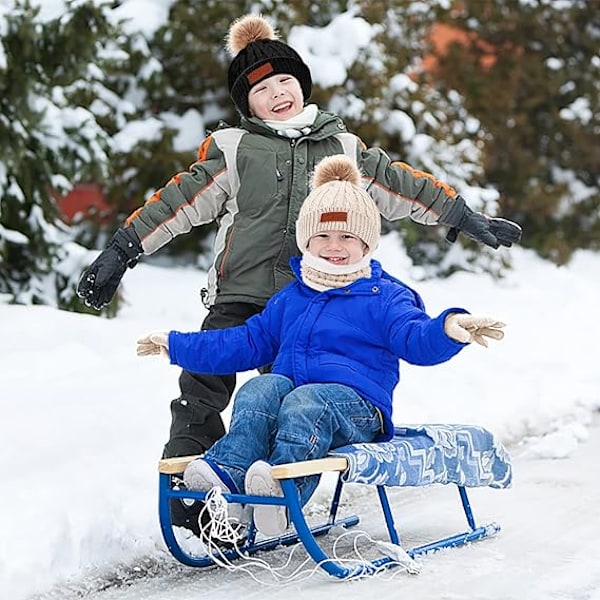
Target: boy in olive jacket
[(252, 180)]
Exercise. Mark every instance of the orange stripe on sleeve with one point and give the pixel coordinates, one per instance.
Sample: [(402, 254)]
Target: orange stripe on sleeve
[(422, 174), (203, 149), (132, 216), (202, 155), (154, 198)]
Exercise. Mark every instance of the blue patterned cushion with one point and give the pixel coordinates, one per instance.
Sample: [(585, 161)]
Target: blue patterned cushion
[(466, 455)]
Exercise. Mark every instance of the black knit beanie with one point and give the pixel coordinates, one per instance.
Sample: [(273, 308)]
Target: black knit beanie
[(258, 54)]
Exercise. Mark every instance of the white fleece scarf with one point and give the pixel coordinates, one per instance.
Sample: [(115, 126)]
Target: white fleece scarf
[(320, 275), (296, 126)]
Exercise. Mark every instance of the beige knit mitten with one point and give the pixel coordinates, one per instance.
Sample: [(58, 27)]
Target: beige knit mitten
[(470, 328), (154, 343)]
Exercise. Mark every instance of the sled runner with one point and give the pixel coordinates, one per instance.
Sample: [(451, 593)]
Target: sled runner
[(462, 455)]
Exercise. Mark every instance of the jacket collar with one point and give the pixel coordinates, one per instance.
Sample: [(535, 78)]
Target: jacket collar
[(325, 125)]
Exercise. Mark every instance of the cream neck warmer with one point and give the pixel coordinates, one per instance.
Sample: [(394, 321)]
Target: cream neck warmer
[(320, 275), (296, 126)]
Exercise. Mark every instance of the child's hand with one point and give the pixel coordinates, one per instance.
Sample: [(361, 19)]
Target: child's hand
[(154, 343), (469, 328), (492, 231)]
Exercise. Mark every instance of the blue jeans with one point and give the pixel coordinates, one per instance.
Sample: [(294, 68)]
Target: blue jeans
[(275, 422)]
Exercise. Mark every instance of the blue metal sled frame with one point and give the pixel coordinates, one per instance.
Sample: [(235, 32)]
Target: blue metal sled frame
[(303, 532)]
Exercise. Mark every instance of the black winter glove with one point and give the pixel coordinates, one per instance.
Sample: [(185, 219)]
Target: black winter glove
[(492, 231), (100, 280)]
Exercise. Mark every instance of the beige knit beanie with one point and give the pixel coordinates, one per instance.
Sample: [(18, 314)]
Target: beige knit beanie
[(338, 203)]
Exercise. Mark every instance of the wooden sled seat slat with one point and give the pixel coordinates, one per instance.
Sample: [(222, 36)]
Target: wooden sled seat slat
[(310, 467)]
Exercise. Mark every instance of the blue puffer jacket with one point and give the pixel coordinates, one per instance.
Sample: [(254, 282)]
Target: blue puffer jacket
[(352, 335)]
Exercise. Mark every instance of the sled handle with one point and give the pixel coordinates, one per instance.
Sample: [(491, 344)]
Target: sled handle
[(172, 466)]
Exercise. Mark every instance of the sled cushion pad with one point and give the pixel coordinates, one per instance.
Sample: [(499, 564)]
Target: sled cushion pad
[(466, 455)]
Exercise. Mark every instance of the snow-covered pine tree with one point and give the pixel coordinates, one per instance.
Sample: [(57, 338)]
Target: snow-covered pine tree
[(50, 78), (530, 72)]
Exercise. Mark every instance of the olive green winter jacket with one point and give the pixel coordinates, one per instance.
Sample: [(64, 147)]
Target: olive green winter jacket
[(252, 181)]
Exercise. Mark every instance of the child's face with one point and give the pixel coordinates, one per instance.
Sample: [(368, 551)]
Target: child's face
[(276, 98), (337, 247)]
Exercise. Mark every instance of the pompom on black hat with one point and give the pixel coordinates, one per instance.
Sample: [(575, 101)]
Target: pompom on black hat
[(258, 54)]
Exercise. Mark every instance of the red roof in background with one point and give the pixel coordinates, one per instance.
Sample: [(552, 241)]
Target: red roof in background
[(85, 199)]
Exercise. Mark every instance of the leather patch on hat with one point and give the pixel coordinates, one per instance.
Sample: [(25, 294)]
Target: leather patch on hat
[(260, 73), (329, 217)]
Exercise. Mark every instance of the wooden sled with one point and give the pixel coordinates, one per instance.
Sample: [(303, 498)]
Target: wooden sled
[(461, 455)]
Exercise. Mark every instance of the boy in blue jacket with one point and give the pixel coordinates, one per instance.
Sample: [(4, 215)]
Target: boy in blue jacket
[(334, 338)]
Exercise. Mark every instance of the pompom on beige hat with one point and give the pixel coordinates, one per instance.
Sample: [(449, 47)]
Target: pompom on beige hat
[(338, 203)]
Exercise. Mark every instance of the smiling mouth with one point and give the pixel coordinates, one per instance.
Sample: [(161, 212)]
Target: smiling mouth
[(282, 107), (336, 260)]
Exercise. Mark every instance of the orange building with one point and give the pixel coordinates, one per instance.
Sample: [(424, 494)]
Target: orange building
[(442, 36)]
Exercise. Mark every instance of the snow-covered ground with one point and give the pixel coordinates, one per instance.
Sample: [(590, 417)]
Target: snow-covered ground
[(84, 421)]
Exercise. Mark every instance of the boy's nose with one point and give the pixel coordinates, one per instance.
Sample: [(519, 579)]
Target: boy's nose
[(334, 245)]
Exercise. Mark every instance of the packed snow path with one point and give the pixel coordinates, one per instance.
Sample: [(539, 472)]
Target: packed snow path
[(548, 548)]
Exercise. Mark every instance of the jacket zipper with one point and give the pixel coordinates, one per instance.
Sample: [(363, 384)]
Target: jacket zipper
[(225, 253)]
